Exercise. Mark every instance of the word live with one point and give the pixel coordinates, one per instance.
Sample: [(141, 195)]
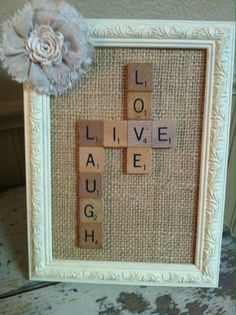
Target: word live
[(139, 135)]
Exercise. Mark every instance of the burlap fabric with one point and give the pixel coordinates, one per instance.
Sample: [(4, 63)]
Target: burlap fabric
[(148, 218)]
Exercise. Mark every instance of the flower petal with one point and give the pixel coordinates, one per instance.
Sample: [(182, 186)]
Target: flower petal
[(10, 39), (68, 11), (18, 66), (71, 59), (38, 78), (57, 74), (43, 17), (23, 22)]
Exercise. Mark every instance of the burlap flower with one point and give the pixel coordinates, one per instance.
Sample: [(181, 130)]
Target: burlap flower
[(47, 45)]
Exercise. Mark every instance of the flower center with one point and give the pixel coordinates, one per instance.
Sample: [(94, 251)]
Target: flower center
[(45, 46)]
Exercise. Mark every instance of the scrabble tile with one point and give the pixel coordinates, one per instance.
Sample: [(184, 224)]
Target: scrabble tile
[(91, 159), (139, 160), (90, 235), (91, 133), (91, 210), (140, 77), (139, 105), (139, 133), (90, 185), (164, 134), (115, 134)]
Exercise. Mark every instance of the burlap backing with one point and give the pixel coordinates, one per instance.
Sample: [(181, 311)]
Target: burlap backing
[(148, 218)]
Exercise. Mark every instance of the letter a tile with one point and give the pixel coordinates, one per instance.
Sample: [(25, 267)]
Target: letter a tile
[(91, 159)]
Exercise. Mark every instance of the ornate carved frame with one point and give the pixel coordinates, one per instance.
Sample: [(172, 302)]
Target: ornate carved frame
[(218, 40)]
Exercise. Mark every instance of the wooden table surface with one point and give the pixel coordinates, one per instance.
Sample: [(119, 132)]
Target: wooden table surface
[(18, 295)]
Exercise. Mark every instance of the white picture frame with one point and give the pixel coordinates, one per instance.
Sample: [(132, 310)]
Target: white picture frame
[(218, 40)]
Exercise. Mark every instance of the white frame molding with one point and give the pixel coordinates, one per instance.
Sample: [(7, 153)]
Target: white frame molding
[(218, 40)]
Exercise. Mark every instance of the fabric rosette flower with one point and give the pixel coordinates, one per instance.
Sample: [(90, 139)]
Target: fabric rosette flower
[(46, 45)]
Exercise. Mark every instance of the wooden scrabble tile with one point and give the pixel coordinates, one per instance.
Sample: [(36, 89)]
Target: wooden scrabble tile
[(164, 134), (91, 159), (90, 235), (140, 77), (139, 160), (91, 133), (90, 185), (115, 134), (139, 105), (139, 133), (91, 210)]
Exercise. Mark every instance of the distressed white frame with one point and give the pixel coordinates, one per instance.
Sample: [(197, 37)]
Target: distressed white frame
[(218, 40)]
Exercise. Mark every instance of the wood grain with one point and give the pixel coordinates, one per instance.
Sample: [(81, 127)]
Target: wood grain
[(139, 160), (140, 77), (164, 134), (91, 159), (90, 235), (12, 158), (13, 243), (90, 133), (139, 133), (91, 210), (90, 185), (115, 134), (139, 105)]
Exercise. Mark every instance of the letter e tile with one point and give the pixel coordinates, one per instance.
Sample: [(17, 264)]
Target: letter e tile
[(139, 160), (164, 134)]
